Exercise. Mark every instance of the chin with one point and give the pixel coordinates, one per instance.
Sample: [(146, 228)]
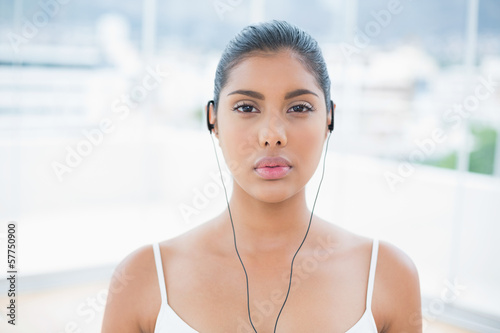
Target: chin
[(276, 194), (269, 191)]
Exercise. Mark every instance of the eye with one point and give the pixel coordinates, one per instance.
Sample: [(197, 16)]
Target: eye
[(244, 108), (301, 108)]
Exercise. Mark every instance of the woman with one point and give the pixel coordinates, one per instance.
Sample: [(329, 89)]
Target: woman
[(271, 114)]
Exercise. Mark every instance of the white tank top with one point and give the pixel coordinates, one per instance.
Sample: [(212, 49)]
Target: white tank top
[(168, 321)]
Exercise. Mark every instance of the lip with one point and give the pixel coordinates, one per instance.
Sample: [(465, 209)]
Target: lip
[(272, 161), (272, 167)]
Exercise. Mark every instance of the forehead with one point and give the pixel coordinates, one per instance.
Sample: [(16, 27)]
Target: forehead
[(272, 72)]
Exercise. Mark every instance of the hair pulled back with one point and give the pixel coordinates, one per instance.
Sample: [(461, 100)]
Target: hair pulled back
[(272, 36)]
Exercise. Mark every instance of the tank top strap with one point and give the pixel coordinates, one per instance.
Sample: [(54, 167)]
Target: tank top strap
[(159, 271), (371, 276)]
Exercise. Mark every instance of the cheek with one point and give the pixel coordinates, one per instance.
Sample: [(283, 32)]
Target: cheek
[(309, 148), (236, 145)]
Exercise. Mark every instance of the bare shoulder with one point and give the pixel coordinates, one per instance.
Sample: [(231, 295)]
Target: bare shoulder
[(396, 298), (133, 294), (395, 269), (190, 242), (393, 260)]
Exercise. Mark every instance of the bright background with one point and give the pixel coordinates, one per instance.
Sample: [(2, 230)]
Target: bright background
[(99, 156)]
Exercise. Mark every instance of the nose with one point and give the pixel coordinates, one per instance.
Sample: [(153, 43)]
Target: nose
[(272, 134)]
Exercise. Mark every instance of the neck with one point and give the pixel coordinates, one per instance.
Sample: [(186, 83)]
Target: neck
[(268, 226)]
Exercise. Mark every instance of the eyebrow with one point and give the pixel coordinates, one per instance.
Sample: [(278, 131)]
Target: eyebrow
[(260, 96), (249, 93), (299, 92)]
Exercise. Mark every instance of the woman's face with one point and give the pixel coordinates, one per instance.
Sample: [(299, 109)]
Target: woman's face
[(271, 106)]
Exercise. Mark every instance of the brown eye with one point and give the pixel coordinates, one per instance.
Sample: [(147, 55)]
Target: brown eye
[(301, 108), (244, 108)]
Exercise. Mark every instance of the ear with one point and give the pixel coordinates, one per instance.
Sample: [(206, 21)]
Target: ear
[(211, 118), (330, 117)]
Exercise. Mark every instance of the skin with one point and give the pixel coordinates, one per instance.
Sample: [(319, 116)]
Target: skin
[(204, 278)]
